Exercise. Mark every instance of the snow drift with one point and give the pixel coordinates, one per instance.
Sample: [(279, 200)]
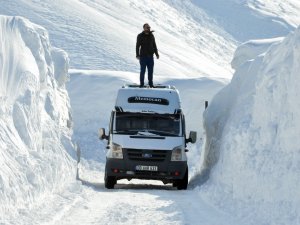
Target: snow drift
[(35, 123), (252, 146)]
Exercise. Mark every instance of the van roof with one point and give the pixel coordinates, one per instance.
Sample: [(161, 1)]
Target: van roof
[(161, 99)]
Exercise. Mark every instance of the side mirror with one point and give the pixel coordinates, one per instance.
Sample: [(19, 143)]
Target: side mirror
[(102, 134), (193, 137)]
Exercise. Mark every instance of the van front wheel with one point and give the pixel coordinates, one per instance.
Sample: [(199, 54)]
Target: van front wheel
[(110, 182), (183, 183)]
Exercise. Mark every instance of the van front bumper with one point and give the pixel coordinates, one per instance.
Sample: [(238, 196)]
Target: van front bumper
[(167, 171)]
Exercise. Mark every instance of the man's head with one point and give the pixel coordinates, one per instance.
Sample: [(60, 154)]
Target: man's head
[(146, 28)]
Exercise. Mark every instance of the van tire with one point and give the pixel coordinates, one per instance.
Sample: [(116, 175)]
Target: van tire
[(110, 182), (183, 183)]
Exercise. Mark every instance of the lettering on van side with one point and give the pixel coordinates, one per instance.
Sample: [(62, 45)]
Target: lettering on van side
[(150, 100)]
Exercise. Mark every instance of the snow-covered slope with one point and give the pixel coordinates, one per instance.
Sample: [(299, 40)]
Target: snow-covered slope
[(102, 34), (252, 145), (245, 19), (288, 11), (35, 125), (195, 38)]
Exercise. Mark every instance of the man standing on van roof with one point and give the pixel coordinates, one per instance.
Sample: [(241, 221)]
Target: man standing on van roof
[(145, 48)]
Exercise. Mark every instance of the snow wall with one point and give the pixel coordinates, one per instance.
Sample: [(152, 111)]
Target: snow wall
[(252, 150), (36, 152)]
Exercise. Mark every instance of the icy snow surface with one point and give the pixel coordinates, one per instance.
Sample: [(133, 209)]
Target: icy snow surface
[(252, 145), (35, 135)]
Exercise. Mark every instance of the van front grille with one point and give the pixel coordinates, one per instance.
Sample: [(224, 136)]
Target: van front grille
[(146, 155)]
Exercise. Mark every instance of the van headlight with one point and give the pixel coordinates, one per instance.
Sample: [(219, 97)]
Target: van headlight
[(116, 151), (176, 154)]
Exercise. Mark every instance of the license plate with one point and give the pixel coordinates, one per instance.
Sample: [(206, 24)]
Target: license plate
[(146, 168)]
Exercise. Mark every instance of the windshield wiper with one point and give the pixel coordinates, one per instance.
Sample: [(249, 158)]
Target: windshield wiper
[(145, 132), (162, 133), (125, 131)]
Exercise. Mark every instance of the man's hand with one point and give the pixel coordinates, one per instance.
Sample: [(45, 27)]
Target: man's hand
[(157, 56), (138, 58)]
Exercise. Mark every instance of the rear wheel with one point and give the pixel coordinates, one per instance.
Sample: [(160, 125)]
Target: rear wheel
[(183, 183)]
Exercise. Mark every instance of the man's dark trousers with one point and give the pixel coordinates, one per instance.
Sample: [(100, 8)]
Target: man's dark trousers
[(146, 61)]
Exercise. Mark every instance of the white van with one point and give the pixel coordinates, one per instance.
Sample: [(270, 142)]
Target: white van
[(147, 138)]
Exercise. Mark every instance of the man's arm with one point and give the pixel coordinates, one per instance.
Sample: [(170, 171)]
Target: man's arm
[(155, 48), (138, 44)]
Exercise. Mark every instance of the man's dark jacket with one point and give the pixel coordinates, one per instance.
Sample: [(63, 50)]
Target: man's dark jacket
[(145, 45)]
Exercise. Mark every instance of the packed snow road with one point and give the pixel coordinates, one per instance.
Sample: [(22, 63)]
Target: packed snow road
[(141, 202)]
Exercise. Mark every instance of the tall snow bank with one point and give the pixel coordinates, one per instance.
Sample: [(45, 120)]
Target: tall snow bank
[(251, 49), (35, 143), (253, 148)]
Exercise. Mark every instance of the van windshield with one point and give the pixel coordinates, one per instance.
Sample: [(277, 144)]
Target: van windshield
[(133, 123)]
